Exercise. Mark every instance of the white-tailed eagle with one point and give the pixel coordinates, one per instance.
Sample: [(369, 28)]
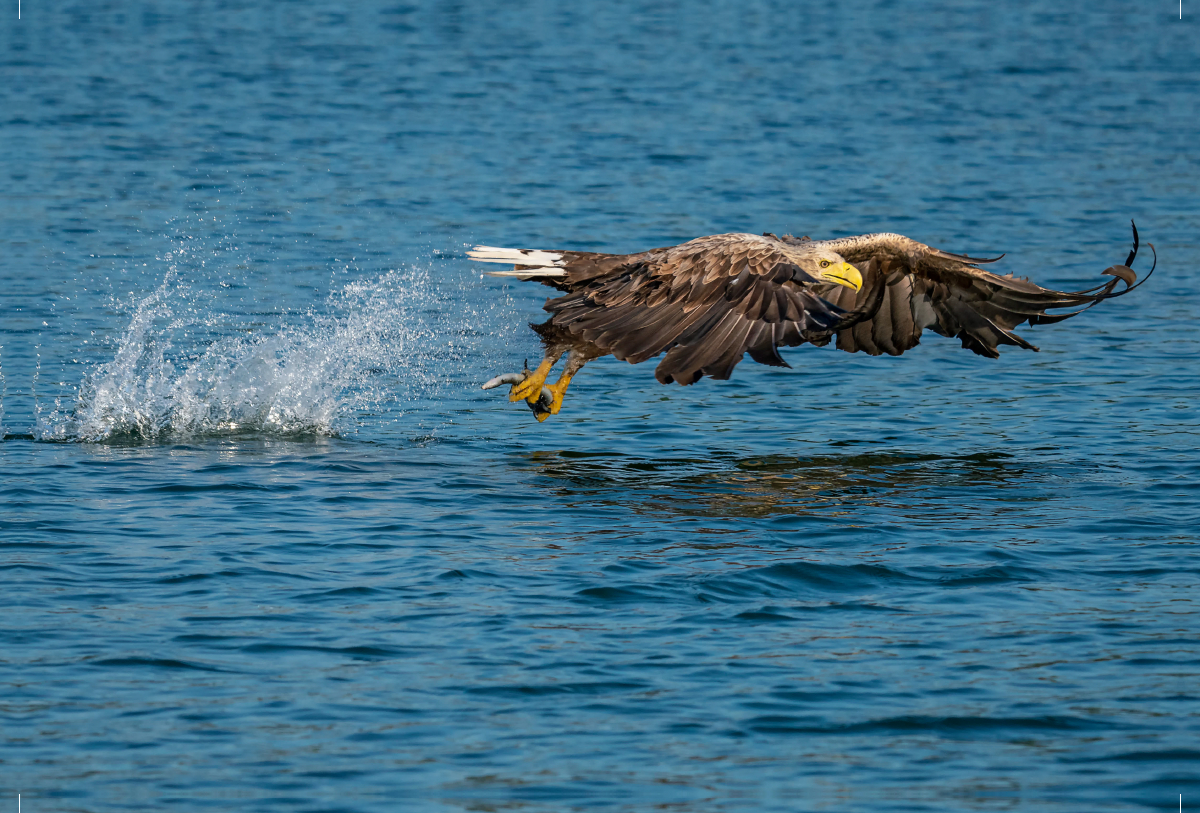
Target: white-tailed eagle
[(704, 304)]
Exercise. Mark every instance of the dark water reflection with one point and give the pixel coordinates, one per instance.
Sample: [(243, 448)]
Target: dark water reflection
[(891, 499), (758, 487)]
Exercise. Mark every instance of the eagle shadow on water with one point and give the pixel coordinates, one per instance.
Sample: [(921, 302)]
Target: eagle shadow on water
[(704, 304)]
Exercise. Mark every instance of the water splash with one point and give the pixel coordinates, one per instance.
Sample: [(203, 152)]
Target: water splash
[(368, 345)]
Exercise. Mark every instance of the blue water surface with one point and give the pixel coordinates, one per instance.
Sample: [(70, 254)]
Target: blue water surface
[(266, 546)]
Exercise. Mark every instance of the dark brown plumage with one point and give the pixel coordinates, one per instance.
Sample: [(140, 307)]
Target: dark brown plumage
[(704, 304)]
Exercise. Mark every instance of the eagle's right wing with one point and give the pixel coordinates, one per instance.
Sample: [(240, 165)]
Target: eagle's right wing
[(949, 294)]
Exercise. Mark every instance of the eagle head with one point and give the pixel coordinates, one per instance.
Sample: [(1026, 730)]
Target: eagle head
[(831, 267)]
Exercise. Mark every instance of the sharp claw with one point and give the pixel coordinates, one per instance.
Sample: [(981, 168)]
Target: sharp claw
[(507, 378), (542, 407)]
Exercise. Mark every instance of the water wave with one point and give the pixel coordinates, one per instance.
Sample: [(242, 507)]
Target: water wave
[(3, 389)]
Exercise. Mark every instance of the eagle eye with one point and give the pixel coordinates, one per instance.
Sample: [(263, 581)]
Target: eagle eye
[(824, 263)]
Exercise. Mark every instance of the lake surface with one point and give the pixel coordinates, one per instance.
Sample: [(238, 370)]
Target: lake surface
[(265, 545)]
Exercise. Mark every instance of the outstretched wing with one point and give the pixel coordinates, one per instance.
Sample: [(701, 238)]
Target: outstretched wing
[(949, 294), (705, 304)]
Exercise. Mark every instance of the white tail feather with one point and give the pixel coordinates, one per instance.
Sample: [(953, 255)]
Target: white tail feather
[(516, 256)]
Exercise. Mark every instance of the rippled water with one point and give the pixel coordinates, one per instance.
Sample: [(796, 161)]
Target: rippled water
[(265, 545)]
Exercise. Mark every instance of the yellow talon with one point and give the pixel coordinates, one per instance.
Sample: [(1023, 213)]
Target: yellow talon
[(558, 389), (531, 388)]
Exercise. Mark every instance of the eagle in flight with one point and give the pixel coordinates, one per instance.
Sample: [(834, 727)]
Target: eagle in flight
[(704, 304)]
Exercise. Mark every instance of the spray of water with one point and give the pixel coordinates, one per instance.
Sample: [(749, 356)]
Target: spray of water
[(374, 343)]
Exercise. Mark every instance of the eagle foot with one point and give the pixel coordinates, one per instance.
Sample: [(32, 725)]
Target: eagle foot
[(530, 389), (556, 391), (546, 404), (548, 401)]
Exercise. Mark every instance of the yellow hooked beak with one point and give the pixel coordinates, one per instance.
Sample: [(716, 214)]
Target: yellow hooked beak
[(843, 274)]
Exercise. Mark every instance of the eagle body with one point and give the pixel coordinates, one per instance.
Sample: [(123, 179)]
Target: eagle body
[(702, 305)]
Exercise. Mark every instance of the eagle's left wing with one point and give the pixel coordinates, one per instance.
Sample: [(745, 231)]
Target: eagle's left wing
[(704, 304)]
